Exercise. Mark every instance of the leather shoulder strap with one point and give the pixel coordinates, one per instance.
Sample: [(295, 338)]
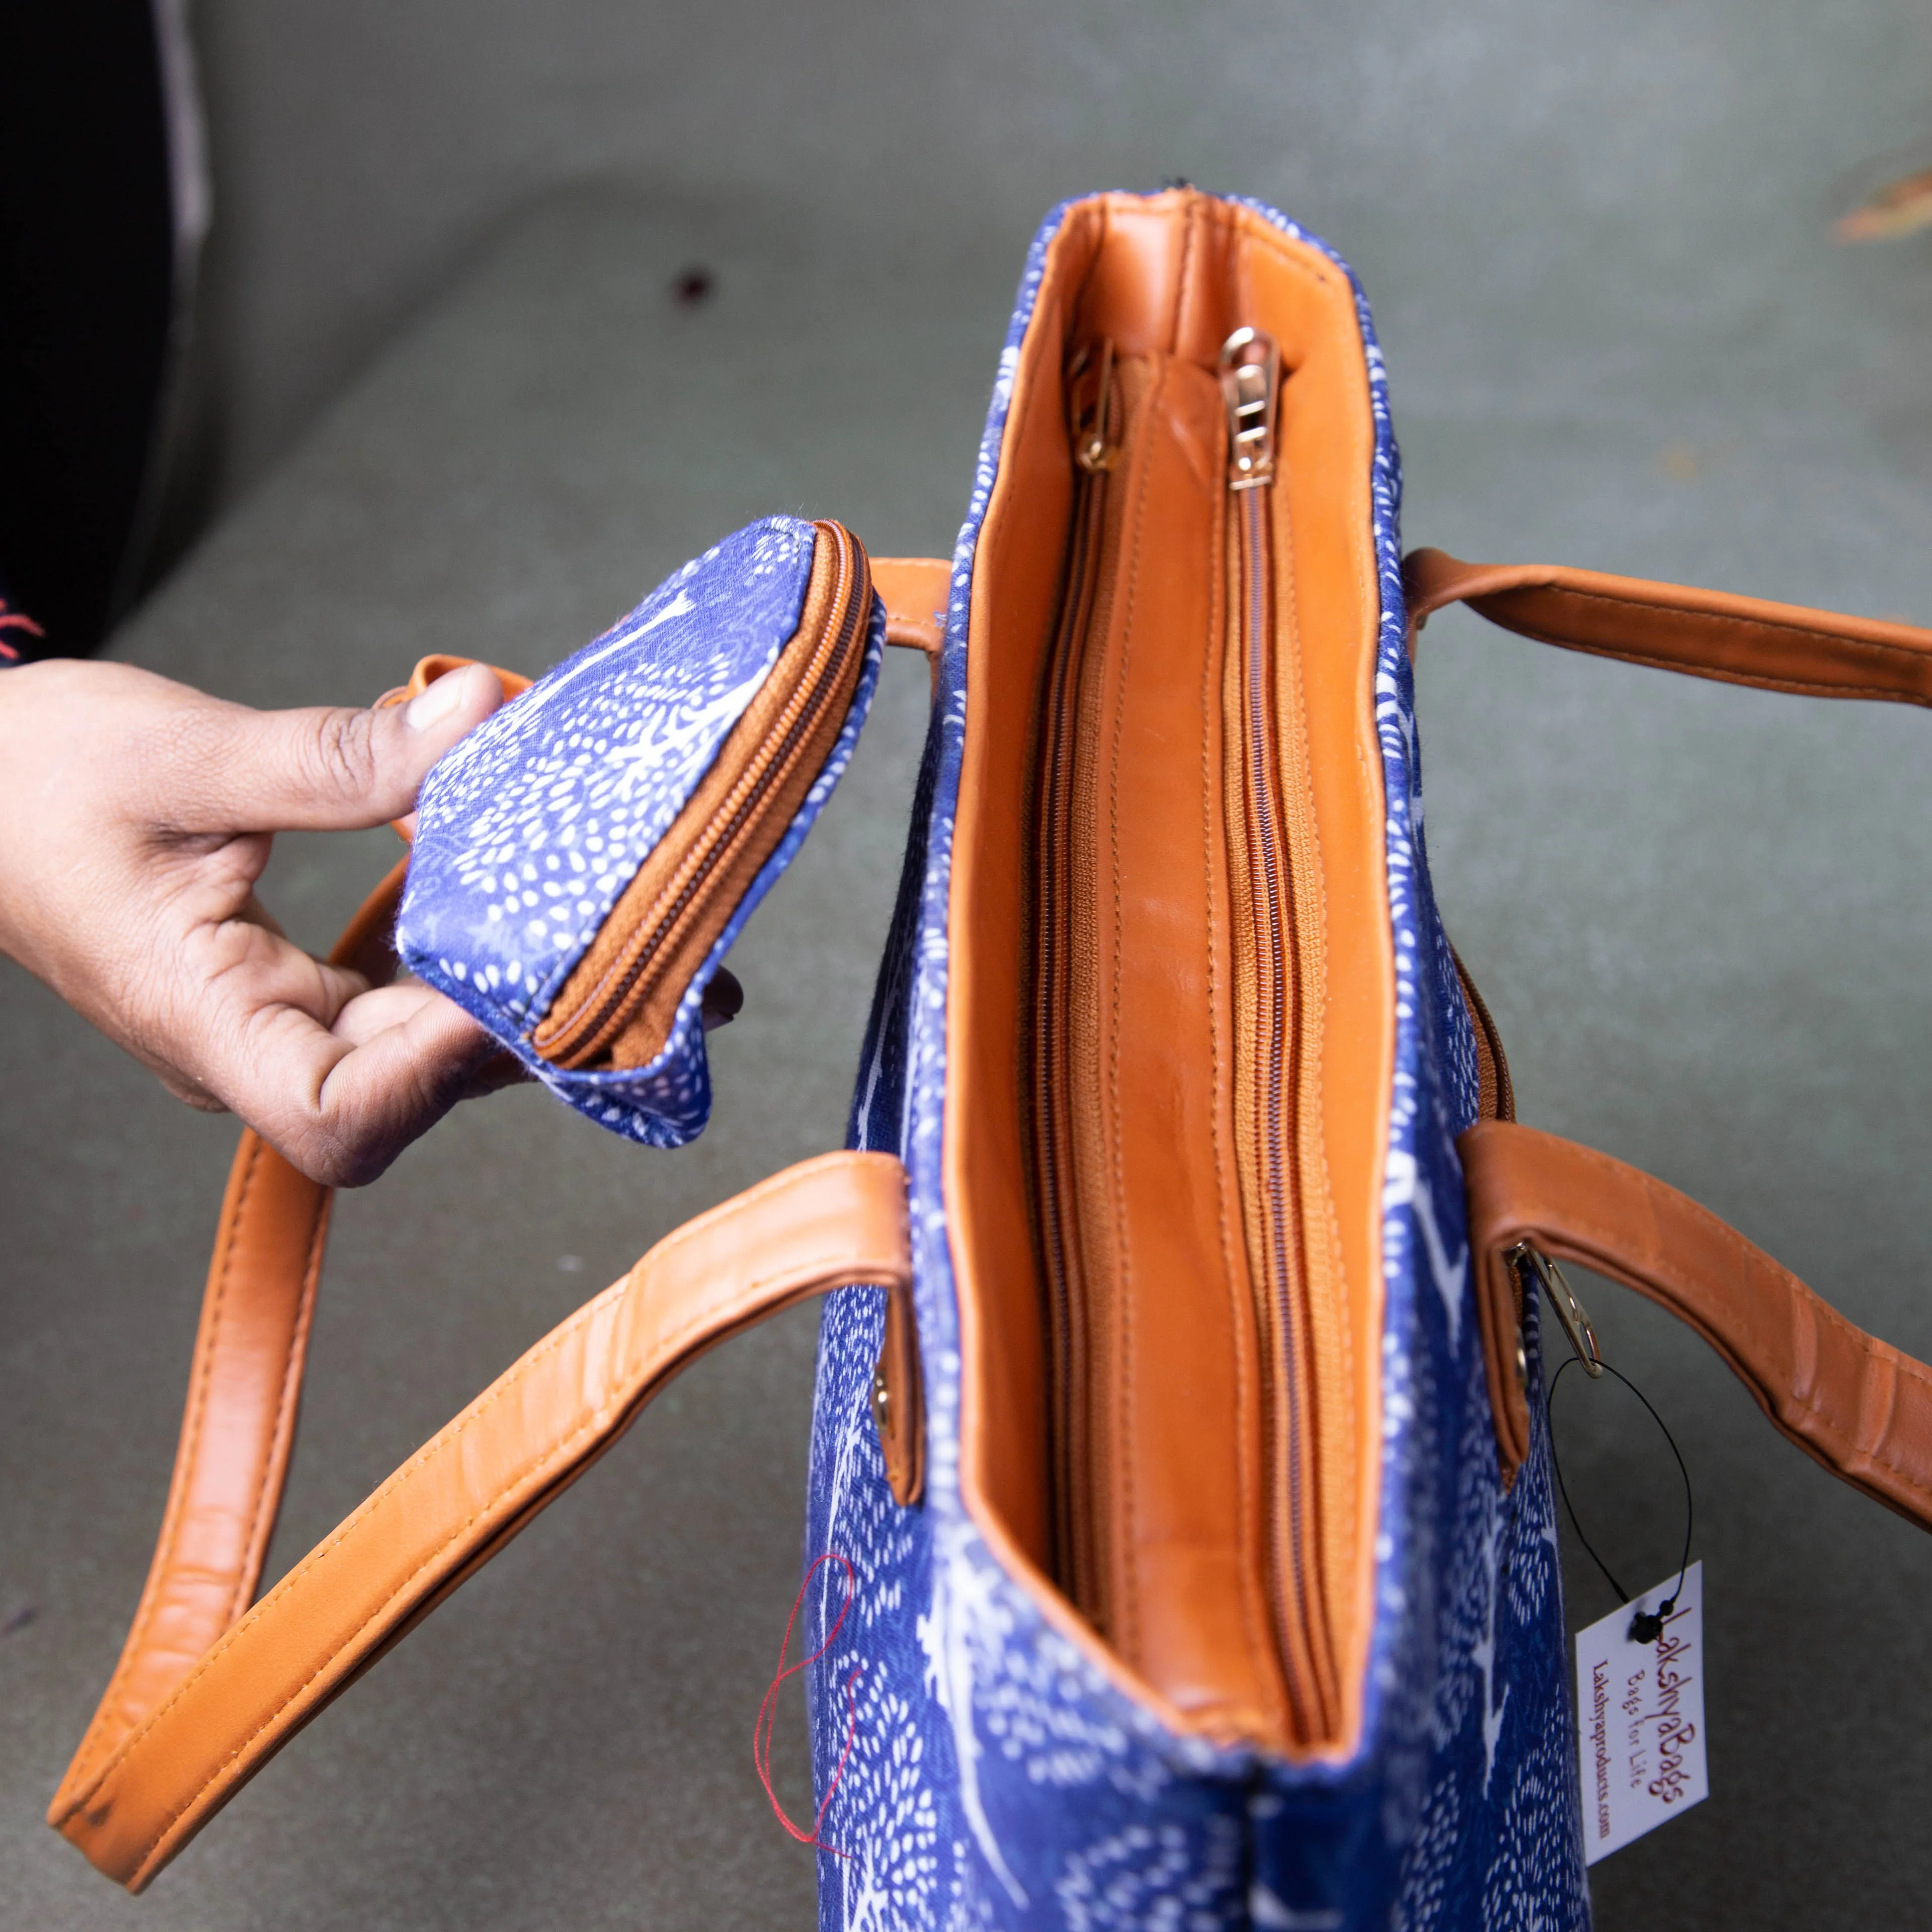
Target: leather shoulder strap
[(1849, 1401), (1705, 633), (144, 1788), (244, 1386)]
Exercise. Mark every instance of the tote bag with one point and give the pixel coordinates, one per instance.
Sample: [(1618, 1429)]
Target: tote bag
[(1179, 1524)]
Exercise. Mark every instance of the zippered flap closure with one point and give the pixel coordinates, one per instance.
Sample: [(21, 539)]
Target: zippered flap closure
[(616, 1008)]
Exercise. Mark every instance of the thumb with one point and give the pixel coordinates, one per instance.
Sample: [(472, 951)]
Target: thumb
[(327, 768)]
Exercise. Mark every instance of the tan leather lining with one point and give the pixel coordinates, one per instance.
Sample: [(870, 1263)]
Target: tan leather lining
[(1170, 278), (1167, 1465)]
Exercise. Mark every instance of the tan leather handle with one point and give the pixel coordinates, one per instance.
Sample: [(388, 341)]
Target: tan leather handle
[(825, 1223), (1705, 633), (1849, 1401), (243, 1389), (915, 591)]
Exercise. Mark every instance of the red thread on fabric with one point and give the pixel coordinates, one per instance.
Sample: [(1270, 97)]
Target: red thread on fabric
[(761, 1730)]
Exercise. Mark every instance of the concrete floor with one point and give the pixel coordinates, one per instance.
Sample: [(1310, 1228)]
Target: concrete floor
[(1699, 915)]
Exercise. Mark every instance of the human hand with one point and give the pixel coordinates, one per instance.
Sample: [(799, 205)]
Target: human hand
[(138, 815)]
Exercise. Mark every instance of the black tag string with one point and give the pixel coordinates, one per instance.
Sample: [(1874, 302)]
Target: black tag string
[(1647, 1626)]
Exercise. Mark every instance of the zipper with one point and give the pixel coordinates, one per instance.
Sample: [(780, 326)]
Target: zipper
[(585, 1035), (1268, 998), (1063, 894)]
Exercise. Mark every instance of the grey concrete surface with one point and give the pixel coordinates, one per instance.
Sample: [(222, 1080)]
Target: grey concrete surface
[(1528, 173), (1700, 915)]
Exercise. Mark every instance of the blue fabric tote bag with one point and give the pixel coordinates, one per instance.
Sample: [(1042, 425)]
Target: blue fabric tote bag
[(1180, 1501)]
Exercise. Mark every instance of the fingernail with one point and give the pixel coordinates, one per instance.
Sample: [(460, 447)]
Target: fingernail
[(437, 701)]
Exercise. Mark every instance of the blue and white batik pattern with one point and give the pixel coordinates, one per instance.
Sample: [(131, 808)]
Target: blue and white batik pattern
[(994, 1778), (529, 831)]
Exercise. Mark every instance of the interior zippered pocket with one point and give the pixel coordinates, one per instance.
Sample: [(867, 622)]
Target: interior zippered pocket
[(1119, 1271), (616, 1008)]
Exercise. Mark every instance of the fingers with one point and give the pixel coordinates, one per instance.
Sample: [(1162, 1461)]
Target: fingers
[(256, 913), (493, 1074), (191, 1091), (321, 769), (341, 1101), (394, 1086), (139, 815), (371, 1014), (397, 1084), (233, 971)]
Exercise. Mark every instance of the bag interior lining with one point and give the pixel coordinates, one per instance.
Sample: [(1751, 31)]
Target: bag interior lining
[(1167, 277)]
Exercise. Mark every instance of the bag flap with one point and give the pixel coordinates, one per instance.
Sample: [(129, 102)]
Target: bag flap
[(585, 859)]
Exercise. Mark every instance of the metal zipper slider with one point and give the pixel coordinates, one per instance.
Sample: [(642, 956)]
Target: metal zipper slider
[(1091, 450), (1250, 375)]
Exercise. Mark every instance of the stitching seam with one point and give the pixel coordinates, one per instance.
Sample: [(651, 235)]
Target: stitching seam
[(96, 1743), (1125, 1603), (1913, 653)]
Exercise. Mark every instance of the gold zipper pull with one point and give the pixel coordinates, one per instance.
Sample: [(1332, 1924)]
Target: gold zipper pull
[(1250, 375), (1091, 424)]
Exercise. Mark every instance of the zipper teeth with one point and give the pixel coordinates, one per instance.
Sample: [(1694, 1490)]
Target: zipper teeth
[(1274, 1022), (1273, 828), (1052, 1019), (1063, 891), (634, 985), (1292, 1401)]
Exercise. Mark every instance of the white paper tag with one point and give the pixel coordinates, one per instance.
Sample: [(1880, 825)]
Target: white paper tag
[(1640, 1719)]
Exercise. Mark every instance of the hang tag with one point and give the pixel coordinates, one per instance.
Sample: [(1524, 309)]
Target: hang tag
[(1640, 1718)]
